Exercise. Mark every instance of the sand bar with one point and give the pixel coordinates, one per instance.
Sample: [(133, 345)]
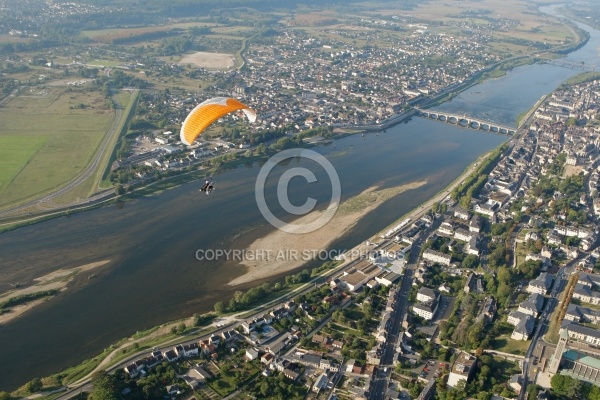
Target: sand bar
[(297, 246), (57, 280)]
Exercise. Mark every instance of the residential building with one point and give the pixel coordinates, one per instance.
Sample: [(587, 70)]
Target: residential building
[(187, 350), (313, 360), (582, 314), (516, 383), (446, 229), (462, 369), (541, 284), (524, 328), (475, 224), (426, 294), (515, 317), (533, 305), (426, 310), (321, 383), (437, 257), (251, 353), (288, 373), (464, 235), (473, 246), (585, 294), (581, 333), (469, 283), (461, 213), (488, 310), (488, 210)]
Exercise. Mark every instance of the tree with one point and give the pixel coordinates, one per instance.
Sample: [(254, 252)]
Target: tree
[(484, 396), (470, 261), (443, 208), (504, 276), (261, 149), (530, 268), (196, 319), (264, 389), (105, 387), (233, 305), (571, 121), (532, 391), (220, 307), (4, 396), (504, 292), (594, 393), (564, 385), (34, 385)]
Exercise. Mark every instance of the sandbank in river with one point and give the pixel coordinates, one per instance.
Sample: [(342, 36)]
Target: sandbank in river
[(282, 251)]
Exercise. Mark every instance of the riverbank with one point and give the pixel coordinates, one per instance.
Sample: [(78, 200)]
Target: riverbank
[(161, 336), (301, 248), (180, 177)]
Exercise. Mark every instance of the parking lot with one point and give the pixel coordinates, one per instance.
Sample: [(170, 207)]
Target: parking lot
[(430, 370)]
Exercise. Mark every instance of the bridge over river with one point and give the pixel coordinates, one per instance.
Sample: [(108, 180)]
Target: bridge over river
[(465, 121)]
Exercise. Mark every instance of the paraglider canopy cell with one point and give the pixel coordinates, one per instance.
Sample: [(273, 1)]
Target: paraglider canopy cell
[(207, 112)]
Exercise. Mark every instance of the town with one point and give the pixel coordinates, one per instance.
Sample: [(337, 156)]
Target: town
[(492, 292)]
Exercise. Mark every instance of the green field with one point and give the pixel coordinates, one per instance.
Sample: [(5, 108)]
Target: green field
[(47, 137), (15, 152), (507, 345), (14, 39)]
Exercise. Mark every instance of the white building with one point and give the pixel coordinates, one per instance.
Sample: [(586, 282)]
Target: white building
[(426, 310), (515, 317), (251, 354), (426, 294), (462, 369), (541, 284), (437, 257), (524, 328), (582, 333)]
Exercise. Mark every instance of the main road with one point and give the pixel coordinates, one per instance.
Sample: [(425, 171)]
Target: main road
[(379, 384), (540, 330)]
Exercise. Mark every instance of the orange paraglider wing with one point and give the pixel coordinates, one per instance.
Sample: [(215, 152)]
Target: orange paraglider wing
[(203, 115)]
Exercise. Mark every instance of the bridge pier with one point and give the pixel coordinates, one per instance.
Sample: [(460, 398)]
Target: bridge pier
[(466, 122)]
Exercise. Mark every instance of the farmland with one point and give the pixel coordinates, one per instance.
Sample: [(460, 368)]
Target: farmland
[(15, 153), (47, 137)]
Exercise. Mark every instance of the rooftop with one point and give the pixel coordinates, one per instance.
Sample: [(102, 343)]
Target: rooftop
[(582, 358), (463, 364)]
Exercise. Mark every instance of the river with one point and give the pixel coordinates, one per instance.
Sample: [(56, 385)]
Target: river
[(153, 276), (501, 100)]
